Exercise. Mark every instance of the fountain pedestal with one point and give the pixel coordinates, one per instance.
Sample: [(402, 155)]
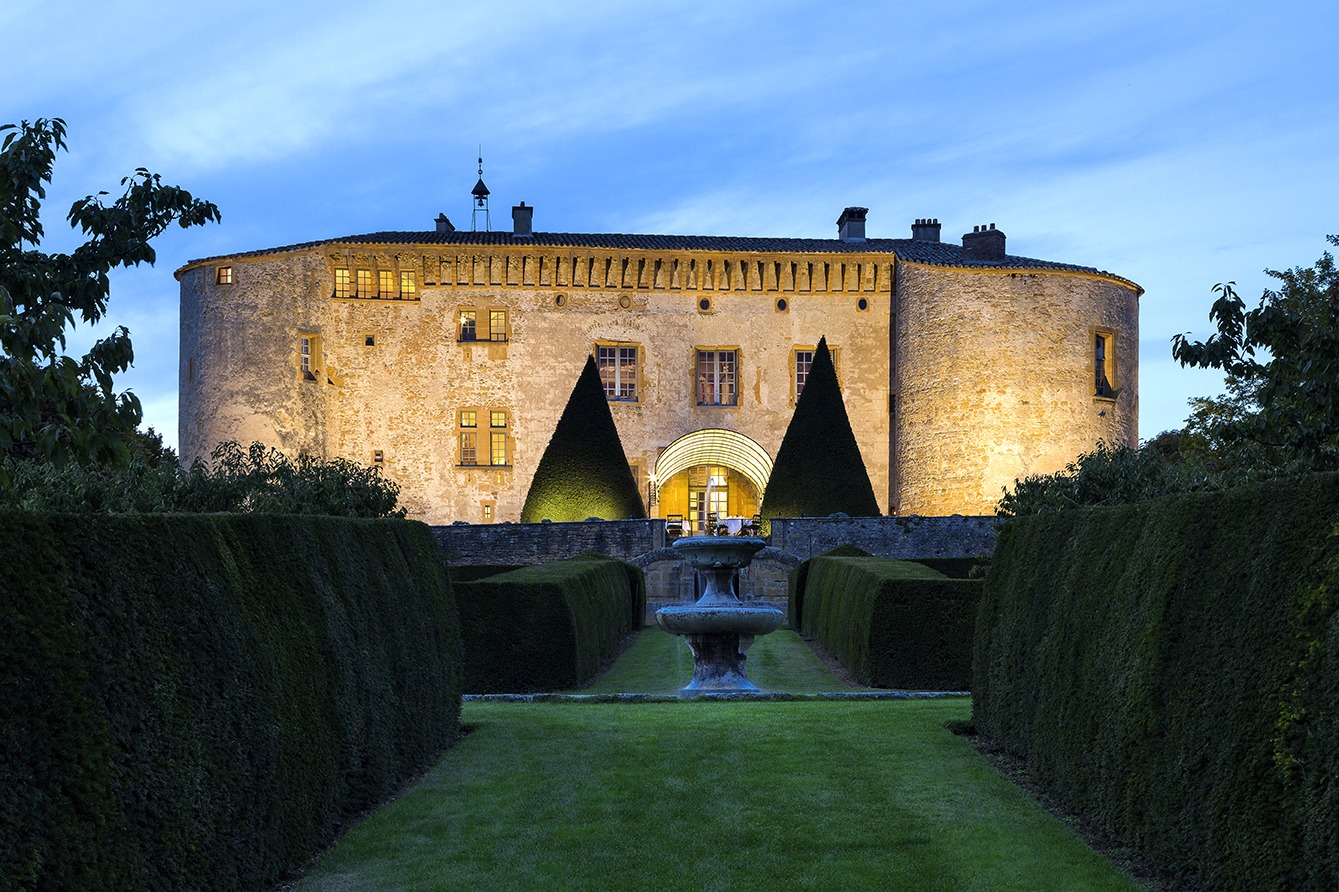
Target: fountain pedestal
[(719, 628)]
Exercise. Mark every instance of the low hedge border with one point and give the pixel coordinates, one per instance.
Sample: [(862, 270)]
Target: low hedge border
[(1169, 670), (198, 701), (549, 626), (891, 623)]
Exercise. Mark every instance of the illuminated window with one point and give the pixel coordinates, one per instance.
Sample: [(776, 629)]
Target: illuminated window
[(468, 330), (1104, 364), (618, 372), (364, 283), (487, 511), (497, 438), (343, 287), (708, 494), (407, 287), (385, 284), (469, 418), (497, 419), (224, 275), (469, 448), (716, 378), (497, 325)]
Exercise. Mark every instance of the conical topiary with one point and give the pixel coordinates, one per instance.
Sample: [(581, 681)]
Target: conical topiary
[(584, 472), (818, 469)]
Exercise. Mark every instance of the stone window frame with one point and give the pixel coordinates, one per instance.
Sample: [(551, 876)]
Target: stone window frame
[(408, 285), (796, 388), (386, 286), (309, 355), (490, 446), (223, 274), (467, 436), (619, 385), (487, 511), (499, 334), (699, 379), (1102, 346), (464, 314), (499, 438)]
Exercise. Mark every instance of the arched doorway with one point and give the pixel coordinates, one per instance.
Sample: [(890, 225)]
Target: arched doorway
[(711, 471)]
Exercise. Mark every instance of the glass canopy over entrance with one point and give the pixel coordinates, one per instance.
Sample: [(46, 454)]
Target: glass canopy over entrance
[(711, 472)]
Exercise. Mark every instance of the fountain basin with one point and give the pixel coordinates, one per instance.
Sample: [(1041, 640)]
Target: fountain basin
[(704, 620)]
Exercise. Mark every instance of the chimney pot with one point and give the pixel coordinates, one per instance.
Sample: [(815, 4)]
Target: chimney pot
[(851, 225), (443, 224), (521, 218), (984, 243), (925, 229)]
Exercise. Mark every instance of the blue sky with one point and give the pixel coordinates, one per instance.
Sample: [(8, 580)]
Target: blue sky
[(1178, 144)]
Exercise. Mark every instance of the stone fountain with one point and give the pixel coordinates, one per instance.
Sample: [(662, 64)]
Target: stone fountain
[(719, 628)]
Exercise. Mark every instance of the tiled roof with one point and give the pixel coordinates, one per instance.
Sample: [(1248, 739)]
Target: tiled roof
[(915, 251)]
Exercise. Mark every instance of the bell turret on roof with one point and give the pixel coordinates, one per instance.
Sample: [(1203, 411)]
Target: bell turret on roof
[(480, 193)]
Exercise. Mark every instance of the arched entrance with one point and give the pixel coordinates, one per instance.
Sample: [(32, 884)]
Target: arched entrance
[(711, 471)]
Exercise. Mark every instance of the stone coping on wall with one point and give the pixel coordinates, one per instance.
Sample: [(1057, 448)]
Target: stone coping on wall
[(751, 696), (797, 538)]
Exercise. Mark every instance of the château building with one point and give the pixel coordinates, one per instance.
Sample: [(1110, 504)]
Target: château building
[(446, 357)]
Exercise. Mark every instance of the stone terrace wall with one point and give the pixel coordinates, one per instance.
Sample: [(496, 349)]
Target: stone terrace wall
[(891, 537), (792, 540), (535, 543)]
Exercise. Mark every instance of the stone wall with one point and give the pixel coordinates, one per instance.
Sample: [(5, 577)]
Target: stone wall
[(644, 544)]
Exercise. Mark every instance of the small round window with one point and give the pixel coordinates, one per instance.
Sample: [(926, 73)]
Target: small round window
[(863, 304), (704, 304), (560, 300), (625, 301), (781, 305)]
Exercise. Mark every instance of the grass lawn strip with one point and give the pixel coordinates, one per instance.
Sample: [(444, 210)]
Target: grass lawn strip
[(660, 663), (713, 796)]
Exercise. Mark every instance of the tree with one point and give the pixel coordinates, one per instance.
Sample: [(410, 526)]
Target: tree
[(1282, 362), (54, 406), (584, 472), (818, 469)]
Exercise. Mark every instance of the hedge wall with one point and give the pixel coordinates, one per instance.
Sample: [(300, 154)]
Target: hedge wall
[(1170, 670), (892, 624), (547, 627), (797, 578), (196, 702)]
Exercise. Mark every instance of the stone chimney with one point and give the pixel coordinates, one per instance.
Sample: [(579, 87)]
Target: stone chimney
[(443, 224), (984, 243), (851, 225), (926, 230), (521, 219)]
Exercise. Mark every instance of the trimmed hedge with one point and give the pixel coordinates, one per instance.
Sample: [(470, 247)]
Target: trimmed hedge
[(1170, 670), (892, 624), (197, 702), (548, 627), (797, 578)]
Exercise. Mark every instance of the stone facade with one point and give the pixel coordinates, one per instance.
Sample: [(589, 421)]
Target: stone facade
[(961, 370)]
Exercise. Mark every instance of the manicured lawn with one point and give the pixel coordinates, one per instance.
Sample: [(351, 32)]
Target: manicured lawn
[(713, 796), (661, 663)]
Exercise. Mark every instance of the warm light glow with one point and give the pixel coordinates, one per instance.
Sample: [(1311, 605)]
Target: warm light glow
[(715, 446)]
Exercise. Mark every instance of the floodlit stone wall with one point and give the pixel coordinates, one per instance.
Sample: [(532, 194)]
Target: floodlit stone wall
[(957, 380), (995, 380)]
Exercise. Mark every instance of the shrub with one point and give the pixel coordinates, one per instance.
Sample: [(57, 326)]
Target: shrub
[(818, 469), (892, 623), (797, 578), (584, 472), (547, 627), (1168, 670), (198, 702)]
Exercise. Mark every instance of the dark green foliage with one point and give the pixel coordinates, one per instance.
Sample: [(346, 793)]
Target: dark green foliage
[(584, 472), (1283, 357), (1170, 671), (255, 480), (53, 406), (548, 627), (795, 584), (892, 624), (198, 702), (818, 469), (958, 568), (469, 572)]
